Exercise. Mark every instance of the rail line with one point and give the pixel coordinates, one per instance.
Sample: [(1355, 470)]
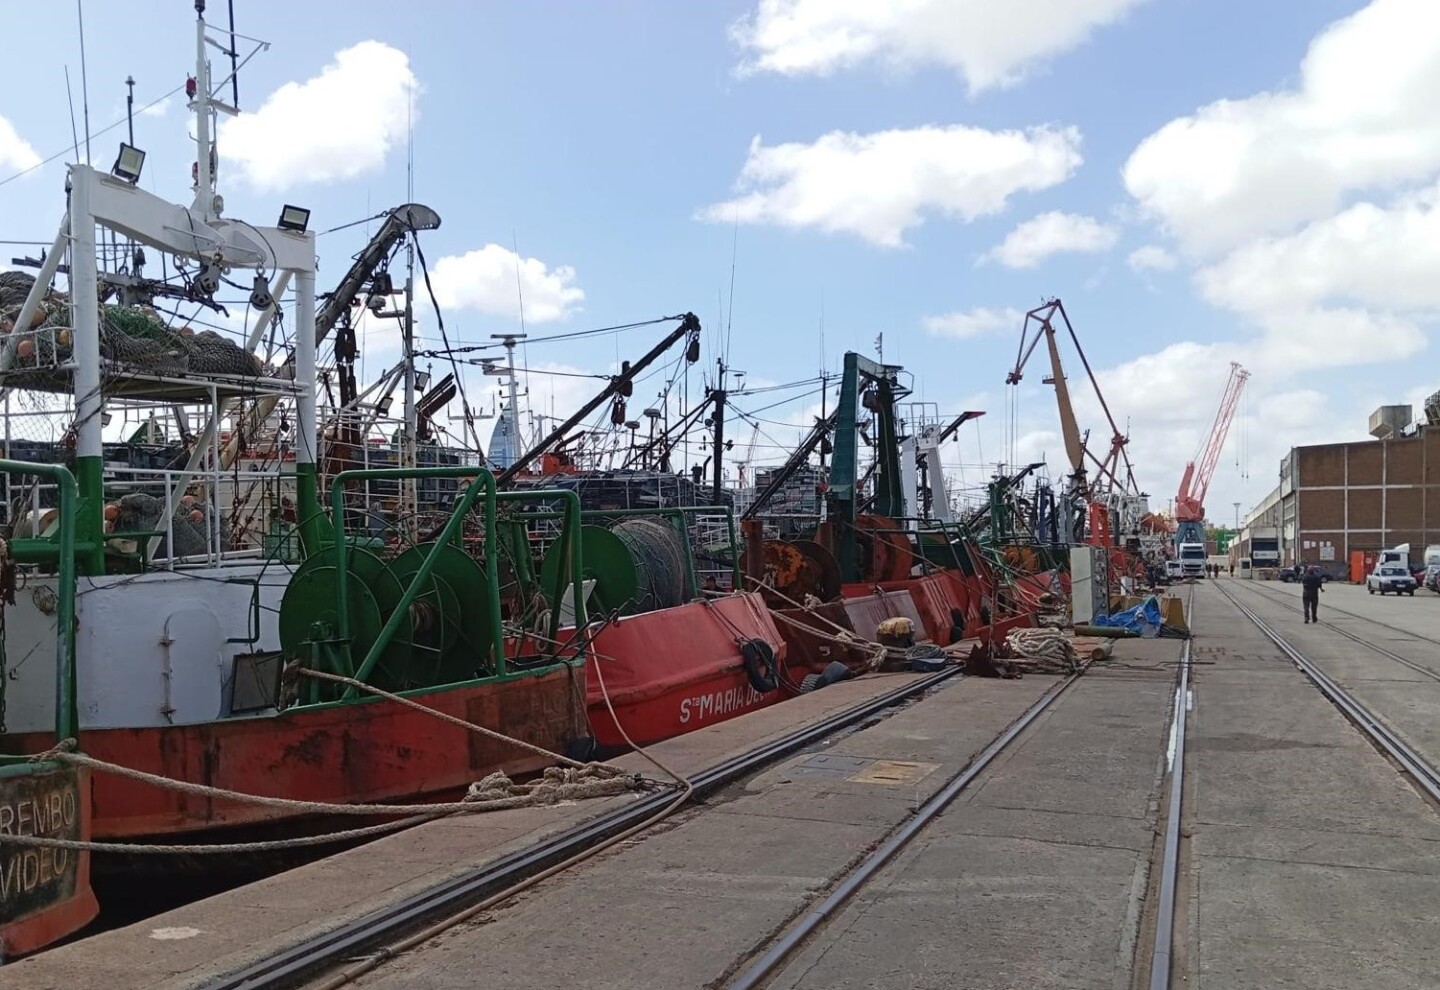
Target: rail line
[(1425, 776), (865, 870), (1162, 951), (368, 933), (1279, 598), (1278, 595), (765, 967)]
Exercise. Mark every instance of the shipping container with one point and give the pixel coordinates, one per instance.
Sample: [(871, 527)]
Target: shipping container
[(1362, 562)]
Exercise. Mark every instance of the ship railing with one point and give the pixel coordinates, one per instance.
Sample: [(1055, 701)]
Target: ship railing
[(224, 534), (58, 551)]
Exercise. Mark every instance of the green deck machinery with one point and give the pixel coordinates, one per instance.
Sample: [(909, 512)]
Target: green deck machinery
[(638, 565), (444, 637)]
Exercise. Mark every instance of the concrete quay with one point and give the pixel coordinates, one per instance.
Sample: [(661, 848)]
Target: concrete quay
[(1307, 859)]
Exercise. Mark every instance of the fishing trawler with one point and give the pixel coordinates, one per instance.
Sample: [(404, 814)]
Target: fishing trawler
[(889, 546), (145, 624)]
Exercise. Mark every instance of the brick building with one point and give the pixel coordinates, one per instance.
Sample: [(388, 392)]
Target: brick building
[(1367, 495)]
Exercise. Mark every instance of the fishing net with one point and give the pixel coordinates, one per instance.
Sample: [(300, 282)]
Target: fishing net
[(132, 336), (657, 548), (191, 522)]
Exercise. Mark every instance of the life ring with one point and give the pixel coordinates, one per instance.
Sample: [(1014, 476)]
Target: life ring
[(759, 660)]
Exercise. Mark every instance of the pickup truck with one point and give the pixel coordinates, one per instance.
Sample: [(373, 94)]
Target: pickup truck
[(1390, 577)]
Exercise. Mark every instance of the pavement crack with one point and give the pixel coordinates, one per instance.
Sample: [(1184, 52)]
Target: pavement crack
[(1290, 860)]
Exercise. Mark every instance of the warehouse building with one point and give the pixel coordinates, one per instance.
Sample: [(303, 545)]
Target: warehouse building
[(1339, 498)]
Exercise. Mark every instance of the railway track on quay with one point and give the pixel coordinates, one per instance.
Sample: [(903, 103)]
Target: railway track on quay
[(1421, 772), (1117, 829), (367, 935), (1288, 602), (328, 961), (1155, 954)]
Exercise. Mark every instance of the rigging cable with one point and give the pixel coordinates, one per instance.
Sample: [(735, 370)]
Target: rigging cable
[(104, 130), (440, 322)]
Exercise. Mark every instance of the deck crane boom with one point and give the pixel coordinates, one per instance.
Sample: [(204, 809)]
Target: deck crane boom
[(1079, 491), (1195, 482), (399, 223)]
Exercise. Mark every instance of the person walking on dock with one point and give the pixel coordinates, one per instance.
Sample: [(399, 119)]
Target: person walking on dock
[(1312, 584)]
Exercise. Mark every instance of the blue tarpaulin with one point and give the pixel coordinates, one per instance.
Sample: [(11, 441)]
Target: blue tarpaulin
[(1144, 619)]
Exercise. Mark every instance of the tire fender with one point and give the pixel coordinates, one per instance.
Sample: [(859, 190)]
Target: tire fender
[(759, 660)]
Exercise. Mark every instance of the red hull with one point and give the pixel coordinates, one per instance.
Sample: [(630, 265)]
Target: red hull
[(678, 670), (930, 600), (809, 634), (868, 605), (45, 893), (373, 750)]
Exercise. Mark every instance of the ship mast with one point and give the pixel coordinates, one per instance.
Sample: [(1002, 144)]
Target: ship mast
[(199, 235), (205, 106), (409, 498)]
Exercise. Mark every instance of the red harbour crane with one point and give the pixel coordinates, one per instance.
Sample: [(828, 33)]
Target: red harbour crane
[(1195, 482)]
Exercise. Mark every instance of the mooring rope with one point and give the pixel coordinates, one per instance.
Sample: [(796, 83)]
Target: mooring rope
[(1043, 650), (495, 792), (445, 717)]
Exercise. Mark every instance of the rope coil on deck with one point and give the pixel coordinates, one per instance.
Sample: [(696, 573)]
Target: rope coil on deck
[(1043, 650)]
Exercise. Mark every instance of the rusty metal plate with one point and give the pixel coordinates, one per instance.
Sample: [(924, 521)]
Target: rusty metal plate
[(894, 772), (825, 765)]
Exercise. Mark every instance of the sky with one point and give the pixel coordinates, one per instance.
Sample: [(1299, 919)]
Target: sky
[(1200, 181)]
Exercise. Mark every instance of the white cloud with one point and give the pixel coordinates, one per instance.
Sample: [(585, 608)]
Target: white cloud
[(1353, 288), (485, 280), (15, 152), (1378, 256), (1052, 233), (973, 322), (990, 44), (1337, 337), (335, 126), (1314, 212), (1361, 118), (157, 109), (879, 185), (1151, 257)]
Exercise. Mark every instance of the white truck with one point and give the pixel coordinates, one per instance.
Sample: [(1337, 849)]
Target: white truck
[(1192, 559), (1395, 557)]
